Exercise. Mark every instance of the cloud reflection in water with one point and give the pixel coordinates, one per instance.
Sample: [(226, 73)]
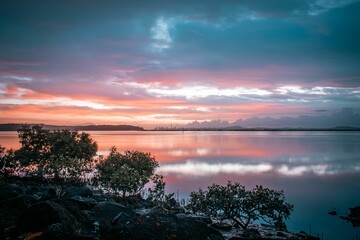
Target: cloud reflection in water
[(198, 168), (203, 169)]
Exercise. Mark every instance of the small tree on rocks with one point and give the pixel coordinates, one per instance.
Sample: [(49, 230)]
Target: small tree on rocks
[(126, 173), (59, 154), (235, 203)]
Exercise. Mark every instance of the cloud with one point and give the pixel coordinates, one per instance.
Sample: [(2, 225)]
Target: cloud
[(301, 170), (228, 59), (279, 94), (321, 6), (3, 88), (56, 101), (161, 34), (205, 91), (18, 78), (193, 92)]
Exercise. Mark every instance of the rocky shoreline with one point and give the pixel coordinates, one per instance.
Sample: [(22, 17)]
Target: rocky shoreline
[(42, 211)]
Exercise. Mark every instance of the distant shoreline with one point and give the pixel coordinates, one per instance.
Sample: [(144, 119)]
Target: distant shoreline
[(263, 130), (15, 127)]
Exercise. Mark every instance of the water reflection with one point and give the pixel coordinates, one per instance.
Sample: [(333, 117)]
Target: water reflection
[(210, 153), (317, 170), (196, 168)]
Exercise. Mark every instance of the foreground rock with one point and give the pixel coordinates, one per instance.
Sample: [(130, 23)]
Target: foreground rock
[(264, 232), (41, 215), (159, 224), (109, 210), (53, 212), (9, 191), (71, 192)]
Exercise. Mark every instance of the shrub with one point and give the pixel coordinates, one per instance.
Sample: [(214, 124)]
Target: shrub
[(243, 207), (71, 154), (58, 154), (126, 173)]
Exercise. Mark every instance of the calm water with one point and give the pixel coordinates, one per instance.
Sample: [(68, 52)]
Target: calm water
[(318, 171)]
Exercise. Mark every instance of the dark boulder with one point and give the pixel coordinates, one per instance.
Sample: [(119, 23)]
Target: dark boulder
[(305, 236), (47, 194), (160, 226), (9, 191), (248, 234), (84, 217), (99, 196), (56, 231), (204, 219), (251, 233), (109, 210), (136, 202), (84, 203), (108, 213), (42, 193), (76, 191), (222, 226), (215, 234), (8, 219), (20, 202), (32, 190), (215, 237), (294, 237), (39, 216), (122, 217)]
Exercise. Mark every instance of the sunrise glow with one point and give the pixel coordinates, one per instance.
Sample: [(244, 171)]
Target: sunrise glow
[(156, 63)]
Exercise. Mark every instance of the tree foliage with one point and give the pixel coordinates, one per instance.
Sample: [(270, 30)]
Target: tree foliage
[(235, 203), (58, 154), (126, 173), (156, 194), (7, 165)]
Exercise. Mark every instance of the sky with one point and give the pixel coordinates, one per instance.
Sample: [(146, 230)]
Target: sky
[(171, 63)]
